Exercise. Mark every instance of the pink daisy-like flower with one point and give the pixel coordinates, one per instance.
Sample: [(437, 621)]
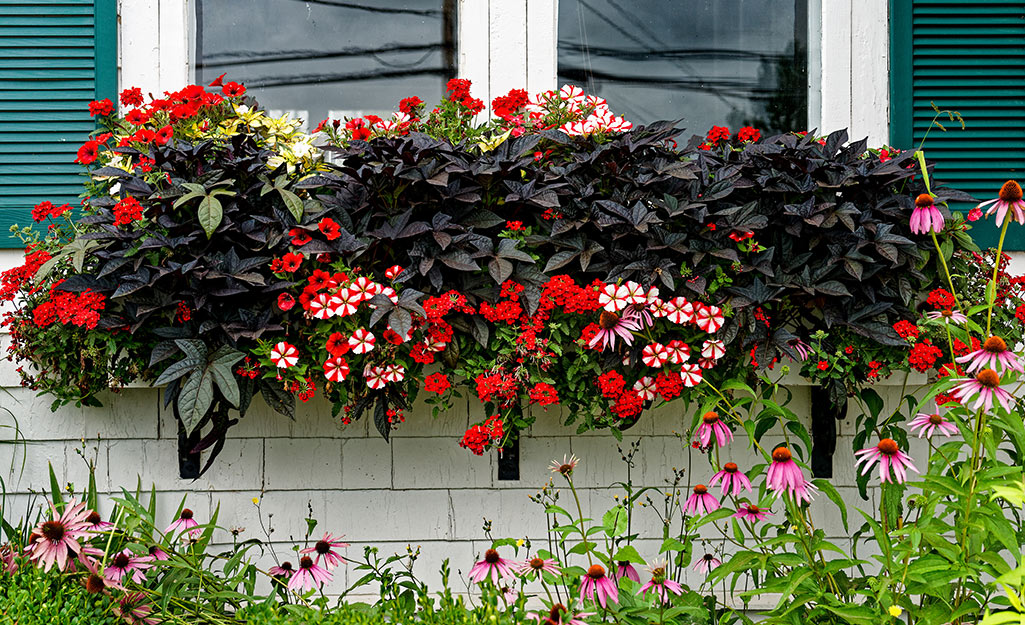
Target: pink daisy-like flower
[(614, 297), (611, 325), (127, 564), (362, 341), (595, 585), (947, 315), (537, 566), (701, 501), (706, 563), (375, 377), (95, 523), (925, 217), (985, 384), (679, 352), (321, 306), (713, 349), (309, 576), (335, 369), (785, 477), (627, 570), (133, 609), (556, 614), (156, 554), (325, 548), (660, 585), (1010, 197), (803, 349), (678, 310), (927, 424), (54, 541), (732, 478), (709, 318), (645, 387), (284, 355), (7, 564), (992, 355), (283, 570), (655, 355), (889, 457), (183, 523), (492, 565), (712, 424), (752, 513), (691, 375)]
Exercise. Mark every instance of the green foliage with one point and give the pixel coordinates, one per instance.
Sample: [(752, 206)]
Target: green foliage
[(31, 597)]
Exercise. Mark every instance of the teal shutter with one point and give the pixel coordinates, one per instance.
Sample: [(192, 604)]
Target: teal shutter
[(967, 56), (56, 56)]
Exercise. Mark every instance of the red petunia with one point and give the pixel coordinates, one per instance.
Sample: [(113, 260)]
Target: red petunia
[(88, 153), (337, 344), (137, 117), (286, 301), (299, 236), (163, 135), (102, 107), (233, 90), (290, 262), (330, 228)]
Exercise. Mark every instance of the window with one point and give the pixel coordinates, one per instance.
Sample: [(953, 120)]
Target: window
[(738, 62), (327, 58)]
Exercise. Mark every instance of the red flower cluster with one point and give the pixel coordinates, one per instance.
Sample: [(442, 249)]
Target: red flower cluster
[(437, 383), (480, 437), (459, 90), (544, 394), (747, 133), (611, 384), (132, 97), (79, 309), (508, 105), (507, 311), (906, 329), (45, 210), (941, 299), (923, 356), (13, 279), (499, 386), (126, 211), (669, 386), (102, 107), (411, 106), (718, 134)]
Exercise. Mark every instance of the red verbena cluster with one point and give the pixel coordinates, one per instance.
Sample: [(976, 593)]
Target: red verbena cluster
[(923, 355), (46, 210), (12, 280), (906, 329), (941, 299), (480, 438), (78, 309), (127, 210)]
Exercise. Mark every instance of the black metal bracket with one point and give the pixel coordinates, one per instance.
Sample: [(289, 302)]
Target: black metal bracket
[(509, 461), (824, 415), (188, 458)]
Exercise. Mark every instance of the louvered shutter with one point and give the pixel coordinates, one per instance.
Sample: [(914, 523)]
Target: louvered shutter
[(55, 57)]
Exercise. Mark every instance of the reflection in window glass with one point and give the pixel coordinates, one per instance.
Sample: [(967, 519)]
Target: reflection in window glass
[(328, 56), (739, 62)]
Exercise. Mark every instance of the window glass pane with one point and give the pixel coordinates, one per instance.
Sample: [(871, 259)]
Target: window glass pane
[(739, 62), (324, 56)]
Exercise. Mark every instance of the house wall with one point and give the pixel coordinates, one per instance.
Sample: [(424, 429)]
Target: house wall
[(421, 489)]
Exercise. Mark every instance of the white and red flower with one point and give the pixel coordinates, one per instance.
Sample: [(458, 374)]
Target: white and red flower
[(691, 375), (614, 297), (284, 355), (335, 369), (394, 373), (713, 349), (655, 355), (362, 341), (392, 272), (678, 310), (364, 288), (645, 387), (320, 307), (345, 302), (679, 352), (709, 318), (375, 377)]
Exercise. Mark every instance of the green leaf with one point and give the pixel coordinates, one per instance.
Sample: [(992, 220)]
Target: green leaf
[(583, 547), (627, 553), (614, 521), (292, 203), (194, 399), (210, 214)]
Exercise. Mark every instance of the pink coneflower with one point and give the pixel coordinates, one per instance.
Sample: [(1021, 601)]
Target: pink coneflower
[(493, 565), (711, 423), (156, 554), (95, 584), (283, 570), (660, 585), (985, 384), (55, 540), (133, 609), (947, 315), (126, 564), (509, 594), (565, 467), (325, 548), (700, 501), (183, 523), (627, 570), (537, 566), (733, 480), (803, 349), (308, 576), (889, 456), (751, 512), (993, 354), (1008, 198), (611, 325), (96, 524), (927, 424), (555, 616), (784, 476), (596, 584), (7, 563), (706, 563), (925, 217)]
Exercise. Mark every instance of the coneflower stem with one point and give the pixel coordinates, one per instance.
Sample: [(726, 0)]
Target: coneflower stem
[(996, 271)]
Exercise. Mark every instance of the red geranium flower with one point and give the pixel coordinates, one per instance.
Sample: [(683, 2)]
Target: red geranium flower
[(544, 394), (132, 97), (102, 107), (747, 133), (126, 211)]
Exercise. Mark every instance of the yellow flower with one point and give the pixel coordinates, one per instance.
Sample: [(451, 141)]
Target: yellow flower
[(520, 542), (256, 501), (896, 611)]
